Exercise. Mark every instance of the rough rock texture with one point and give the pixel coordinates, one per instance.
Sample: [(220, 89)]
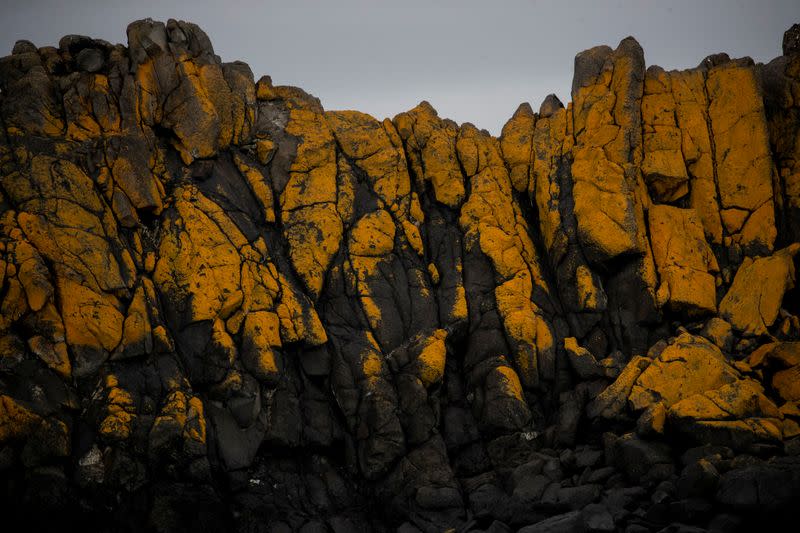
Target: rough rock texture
[(223, 307)]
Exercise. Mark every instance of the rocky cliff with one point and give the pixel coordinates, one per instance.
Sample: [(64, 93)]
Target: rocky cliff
[(225, 308)]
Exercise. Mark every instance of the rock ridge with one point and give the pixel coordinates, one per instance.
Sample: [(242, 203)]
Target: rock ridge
[(223, 307)]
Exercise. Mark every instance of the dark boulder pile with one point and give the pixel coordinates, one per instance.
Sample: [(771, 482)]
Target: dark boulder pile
[(223, 308)]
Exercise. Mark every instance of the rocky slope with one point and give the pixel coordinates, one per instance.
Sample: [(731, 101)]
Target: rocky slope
[(225, 308)]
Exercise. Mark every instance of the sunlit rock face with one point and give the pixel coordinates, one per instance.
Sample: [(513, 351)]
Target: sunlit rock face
[(223, 307)]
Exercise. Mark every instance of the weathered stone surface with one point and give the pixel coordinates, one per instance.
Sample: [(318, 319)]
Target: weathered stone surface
[(223, 307), (757, 487), (685, 262), (607, 92), (744, 175), (516, 143), (691, 110), (430, 143), (663, 166), (752, 303), (737, 415), (780, 364), (719, 332), (642, 460), (582, 361), (687, 366), (612, 400)]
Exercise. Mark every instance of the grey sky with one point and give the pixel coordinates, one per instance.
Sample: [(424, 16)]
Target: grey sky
[(475, 61)]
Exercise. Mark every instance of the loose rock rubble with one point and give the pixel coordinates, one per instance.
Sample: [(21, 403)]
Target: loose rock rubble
[(223, 307)]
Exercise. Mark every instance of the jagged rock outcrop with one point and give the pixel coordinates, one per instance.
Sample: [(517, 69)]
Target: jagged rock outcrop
[(223, 307)]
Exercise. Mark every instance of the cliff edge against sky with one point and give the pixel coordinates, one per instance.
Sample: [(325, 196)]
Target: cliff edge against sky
[(225, 308)]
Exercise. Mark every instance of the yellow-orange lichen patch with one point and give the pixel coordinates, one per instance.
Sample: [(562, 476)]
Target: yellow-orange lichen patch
[(312, 225), (688, 366), (685, 261), (120, 411), (510, 382), (372, 235), (754, 300), (370, 362), (376, 148), (54, 354), (260, 335), (430, 145), (663, 167), (33, 275), (491, 220), (260, 187), (179, 416), (265, 148), (516, 143), (137, 336), (68, 223), (192, 115), (298, 318), (91, 319), (432, 358), (691, 112), (607, 153), (198, 262), (16, 420)]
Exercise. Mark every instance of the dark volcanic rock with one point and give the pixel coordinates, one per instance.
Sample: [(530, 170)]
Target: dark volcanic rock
[(225, 308)]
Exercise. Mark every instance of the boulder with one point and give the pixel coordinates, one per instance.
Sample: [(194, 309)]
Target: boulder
[(612, 401), (737, 415), (642, 460), (756, 488), (687, 365), (780, 363), (752, 303)]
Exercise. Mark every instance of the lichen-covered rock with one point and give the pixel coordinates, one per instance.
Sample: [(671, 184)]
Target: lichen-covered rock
[(744, 174), (686, 366), (607, 91), (663, 166), (430, 144), (516, 143), (737, 415), (686, 264), (223, 307), (752, 303), (611, 402), (779, 81), (780, 363)]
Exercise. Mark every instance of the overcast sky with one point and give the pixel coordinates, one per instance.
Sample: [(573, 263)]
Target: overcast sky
[(475, 61)]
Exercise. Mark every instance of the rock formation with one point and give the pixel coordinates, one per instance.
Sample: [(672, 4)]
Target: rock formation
[(225, 308)]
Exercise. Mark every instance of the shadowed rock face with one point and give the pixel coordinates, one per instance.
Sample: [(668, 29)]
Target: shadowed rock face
[(225, 308)]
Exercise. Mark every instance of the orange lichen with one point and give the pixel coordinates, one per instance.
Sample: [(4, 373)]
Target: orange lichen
[(312, 225), (742, 154), (260, 187), (752, 303), (516, 143), (372, 235), (432, 358), (663, 167), (606, 154), (492, 221), (16, 420), (120, 411), (685, 261), (430, 147), (510, 382), (261, 333)]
